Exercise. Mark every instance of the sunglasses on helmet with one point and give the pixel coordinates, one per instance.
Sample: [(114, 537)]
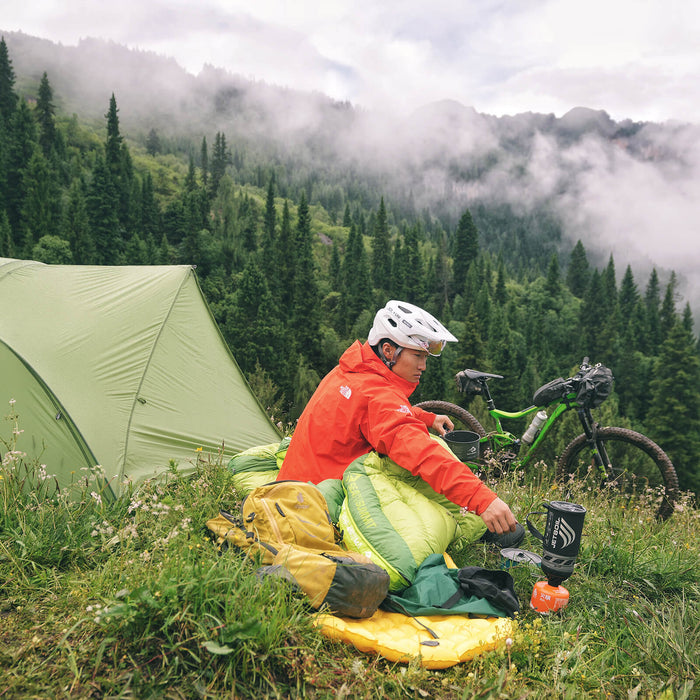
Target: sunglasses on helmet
[(432, 347)]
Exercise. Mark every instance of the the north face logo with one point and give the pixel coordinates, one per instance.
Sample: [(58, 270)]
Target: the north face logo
[(345, 391), (404, 409)]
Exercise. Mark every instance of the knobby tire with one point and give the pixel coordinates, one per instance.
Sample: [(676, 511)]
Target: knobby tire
[(459, 416), (637, 477)]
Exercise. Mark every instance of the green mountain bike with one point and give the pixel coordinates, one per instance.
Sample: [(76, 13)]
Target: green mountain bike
[(616, 457)]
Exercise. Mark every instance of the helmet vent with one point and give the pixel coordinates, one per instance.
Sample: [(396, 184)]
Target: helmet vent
[(426, 325)]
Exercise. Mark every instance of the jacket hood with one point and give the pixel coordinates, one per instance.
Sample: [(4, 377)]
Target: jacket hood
[(360, 357)]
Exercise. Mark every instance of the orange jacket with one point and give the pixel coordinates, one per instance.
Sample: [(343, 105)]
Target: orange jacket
[(361, 405)]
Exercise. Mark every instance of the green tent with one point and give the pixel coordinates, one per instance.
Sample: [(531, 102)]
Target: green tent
[(122, 367)]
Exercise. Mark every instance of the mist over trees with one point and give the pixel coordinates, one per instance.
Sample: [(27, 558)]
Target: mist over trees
[(295, 251)]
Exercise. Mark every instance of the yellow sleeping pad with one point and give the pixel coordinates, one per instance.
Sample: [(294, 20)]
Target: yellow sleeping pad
[(402, 638)]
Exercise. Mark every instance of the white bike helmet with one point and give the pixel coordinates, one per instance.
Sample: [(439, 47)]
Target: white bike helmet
[(409, 327)]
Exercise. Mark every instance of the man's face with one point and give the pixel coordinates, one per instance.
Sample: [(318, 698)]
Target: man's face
[(410, 364)]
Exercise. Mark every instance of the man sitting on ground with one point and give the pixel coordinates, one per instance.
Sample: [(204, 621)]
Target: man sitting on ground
[(363, 405)]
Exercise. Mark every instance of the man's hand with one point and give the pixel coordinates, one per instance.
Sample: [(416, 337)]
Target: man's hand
[(442, 424), (499, 518)]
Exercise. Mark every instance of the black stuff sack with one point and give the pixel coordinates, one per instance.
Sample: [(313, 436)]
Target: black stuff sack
[(494, 585)]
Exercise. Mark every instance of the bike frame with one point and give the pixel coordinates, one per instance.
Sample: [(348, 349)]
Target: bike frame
[(502, 438)]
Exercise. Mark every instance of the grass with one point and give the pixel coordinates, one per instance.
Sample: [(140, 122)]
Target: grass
[(131, 599)]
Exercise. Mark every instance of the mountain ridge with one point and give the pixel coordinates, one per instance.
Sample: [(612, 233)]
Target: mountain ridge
[(612, 184)]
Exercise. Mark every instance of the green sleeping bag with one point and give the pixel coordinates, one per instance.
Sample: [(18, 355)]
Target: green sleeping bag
[(397, 519)]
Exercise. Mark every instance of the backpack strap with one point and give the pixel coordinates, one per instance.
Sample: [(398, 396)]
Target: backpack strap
[(229, 528)]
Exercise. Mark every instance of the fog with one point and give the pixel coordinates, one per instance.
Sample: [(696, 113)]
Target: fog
[(624, 189)]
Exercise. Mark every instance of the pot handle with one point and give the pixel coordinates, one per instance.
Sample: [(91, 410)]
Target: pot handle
[(532, 528)]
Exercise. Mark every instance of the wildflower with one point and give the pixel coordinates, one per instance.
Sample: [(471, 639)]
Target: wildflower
[(13, 402), (97, 497), (199, 449), (12, 456)]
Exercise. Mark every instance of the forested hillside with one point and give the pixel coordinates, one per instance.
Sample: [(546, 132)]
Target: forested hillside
[(294, 256)]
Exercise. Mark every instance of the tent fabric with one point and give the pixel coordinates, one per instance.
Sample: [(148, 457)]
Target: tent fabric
[(122, 367)]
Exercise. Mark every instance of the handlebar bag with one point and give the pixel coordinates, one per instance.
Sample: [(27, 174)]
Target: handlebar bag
[(595, 385)]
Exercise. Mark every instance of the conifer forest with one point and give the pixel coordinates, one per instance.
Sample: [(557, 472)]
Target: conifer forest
[(294, 256)]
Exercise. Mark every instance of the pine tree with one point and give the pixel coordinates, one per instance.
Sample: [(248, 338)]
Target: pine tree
[(166, 254), (248, 221), (356, 292), (136, 251), (174, 224), (415, 267), (578, 274), (46, 117), (381, 250), (8, 96), (191, 177), (75, 226), (399, 268), (7, 246), (652, 304), (441, 292), (590, 327), (500, 293), (41, 208), (471, 351), (283, 262), (119, 165), (251, 326), (305, 305), (150, 220), (113, 145), (667, 315), (687, 318), (102, 207), (270, 222), (609, 317), (673, 420), (153, 143), (306, 380), (204, 164), (628, 297), (465, 248), (221, 159), (334, 269), (506, 350), (20, 150), (553, 285)]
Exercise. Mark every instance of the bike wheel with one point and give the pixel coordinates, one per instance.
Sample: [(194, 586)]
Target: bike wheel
[(636, 466), (462, 419)]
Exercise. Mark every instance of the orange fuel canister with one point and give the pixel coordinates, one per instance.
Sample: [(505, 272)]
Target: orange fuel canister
[(546, 598)]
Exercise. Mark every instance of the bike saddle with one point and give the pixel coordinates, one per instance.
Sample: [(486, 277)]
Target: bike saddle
[(476, 374)]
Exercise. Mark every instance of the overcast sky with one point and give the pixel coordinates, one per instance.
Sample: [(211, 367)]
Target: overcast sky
[(636, 59)]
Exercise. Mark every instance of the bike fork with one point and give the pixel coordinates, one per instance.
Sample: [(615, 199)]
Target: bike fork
[(590, 428)]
